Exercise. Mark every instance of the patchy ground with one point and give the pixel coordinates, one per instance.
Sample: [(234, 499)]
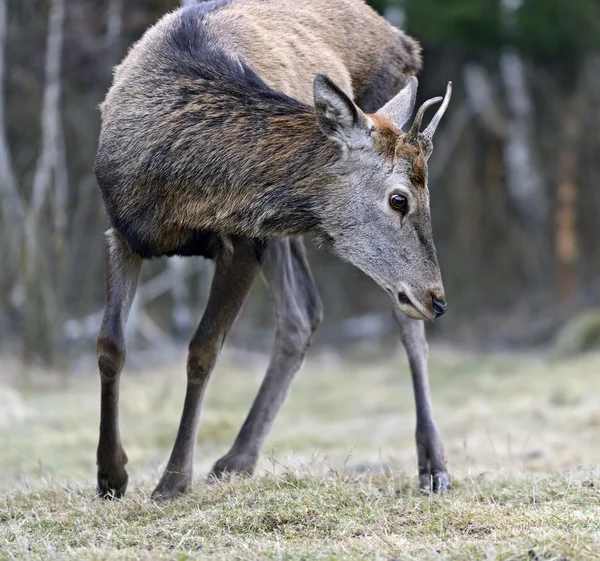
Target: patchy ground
[(337, 479)]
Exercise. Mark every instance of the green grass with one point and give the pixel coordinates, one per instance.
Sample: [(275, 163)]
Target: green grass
[(521, 432)]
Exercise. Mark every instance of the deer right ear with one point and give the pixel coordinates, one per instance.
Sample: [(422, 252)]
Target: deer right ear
[(337, 115), (399, 109)]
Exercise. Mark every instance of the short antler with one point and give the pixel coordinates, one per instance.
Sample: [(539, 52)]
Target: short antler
[(430, 130), (413, 133)]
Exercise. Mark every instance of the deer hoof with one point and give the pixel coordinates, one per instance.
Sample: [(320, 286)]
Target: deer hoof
[(172, 485), (241, 464), (112, 487), (437, 481)]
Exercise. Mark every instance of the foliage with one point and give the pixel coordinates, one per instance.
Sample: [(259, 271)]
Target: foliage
[(580, 334), (550, 29), (559, 28), (469, 23)]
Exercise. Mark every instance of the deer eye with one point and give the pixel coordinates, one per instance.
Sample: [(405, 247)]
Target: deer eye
[(399, 202)]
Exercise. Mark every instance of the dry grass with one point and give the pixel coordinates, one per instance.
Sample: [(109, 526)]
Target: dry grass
[(521, 433)]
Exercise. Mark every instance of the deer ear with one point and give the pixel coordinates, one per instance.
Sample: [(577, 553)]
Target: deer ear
[(337, 115), (399, 109)]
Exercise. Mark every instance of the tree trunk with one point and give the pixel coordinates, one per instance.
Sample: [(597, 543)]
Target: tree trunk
[(524, 180), (41, 328), (11, 206), (566, 237)]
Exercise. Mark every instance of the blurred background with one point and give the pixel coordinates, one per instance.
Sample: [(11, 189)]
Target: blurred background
[(514, 179)]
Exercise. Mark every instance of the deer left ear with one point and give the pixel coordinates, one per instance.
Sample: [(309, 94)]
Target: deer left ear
[(399, 109), (337, 115)]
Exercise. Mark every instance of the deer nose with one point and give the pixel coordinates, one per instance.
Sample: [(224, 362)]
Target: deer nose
[(439, 307)]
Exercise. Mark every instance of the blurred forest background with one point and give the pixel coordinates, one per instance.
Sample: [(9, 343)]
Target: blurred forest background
[(514, 179)]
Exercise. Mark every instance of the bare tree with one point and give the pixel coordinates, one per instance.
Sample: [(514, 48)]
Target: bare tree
[(41, 307), (10, 201), (11, 206), (566, 237), (509, 116), (521, 178), (524, 180)]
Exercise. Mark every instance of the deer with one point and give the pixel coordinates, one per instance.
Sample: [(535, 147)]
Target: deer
[(231, 130)]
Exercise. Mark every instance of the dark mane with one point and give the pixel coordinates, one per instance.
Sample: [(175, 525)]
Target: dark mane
[(191, 53), (199, 125)]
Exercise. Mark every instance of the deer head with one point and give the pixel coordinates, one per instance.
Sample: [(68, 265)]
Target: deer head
[(376, 214)]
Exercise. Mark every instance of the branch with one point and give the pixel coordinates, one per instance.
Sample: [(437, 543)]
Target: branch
[(61, 182), (157, 286), (50, 110)]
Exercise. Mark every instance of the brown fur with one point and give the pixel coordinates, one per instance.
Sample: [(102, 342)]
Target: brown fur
[(287, 42), (210, 145), (391, 142), (386, 136), (415, 158), (152, 144)]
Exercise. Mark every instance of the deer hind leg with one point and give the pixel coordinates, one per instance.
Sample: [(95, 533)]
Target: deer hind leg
[(236, 268), (430, 448), (298, 311), (122, 273)]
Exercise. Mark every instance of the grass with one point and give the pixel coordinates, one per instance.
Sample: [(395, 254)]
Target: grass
[(337, 479)]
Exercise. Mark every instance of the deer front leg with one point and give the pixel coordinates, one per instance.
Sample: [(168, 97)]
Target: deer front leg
[(235, 272), (298, 311), (430, 448), (122, 273)]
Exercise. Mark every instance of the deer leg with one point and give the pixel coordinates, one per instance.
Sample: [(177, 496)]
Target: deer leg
[(235, 271), (298, 311), (430, 449), (122, 273)]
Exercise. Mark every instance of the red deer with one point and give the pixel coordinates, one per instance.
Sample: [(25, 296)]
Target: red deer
[(231, 129)]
